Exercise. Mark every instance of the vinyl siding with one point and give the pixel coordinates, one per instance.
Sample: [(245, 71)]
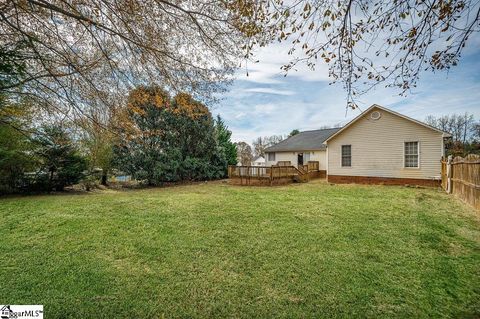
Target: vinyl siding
[(318, 155), (378, 148)]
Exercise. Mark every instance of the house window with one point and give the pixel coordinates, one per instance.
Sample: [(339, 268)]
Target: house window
[(271, 157), (346, 155), (411, 154), (306, 157)]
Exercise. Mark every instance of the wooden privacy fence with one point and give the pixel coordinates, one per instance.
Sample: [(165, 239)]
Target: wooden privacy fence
[(461, 177)]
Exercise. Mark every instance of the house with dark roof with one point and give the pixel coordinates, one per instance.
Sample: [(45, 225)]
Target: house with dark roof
[(301, 148), (378, 146)]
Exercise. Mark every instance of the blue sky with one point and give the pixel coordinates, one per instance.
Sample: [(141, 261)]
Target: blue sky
[(267, 103)]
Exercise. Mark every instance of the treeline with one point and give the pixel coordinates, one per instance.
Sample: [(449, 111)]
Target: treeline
[(246, 153), (465, 131), (153, 137)]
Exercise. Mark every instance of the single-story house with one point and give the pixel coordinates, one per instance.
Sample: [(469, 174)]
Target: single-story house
[(378, 146), (301, 148), (259, 161)]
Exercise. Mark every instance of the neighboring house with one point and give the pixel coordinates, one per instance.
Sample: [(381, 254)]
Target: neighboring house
[(259, 161), (301, 148), (378, 146)]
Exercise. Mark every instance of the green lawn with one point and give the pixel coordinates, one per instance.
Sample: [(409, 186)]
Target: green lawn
[(214, 250)]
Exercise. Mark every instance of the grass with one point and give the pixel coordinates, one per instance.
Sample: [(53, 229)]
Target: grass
[(214, 250)]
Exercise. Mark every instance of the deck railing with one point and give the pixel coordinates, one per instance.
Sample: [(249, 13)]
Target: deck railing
[(282, 171), (248, 171), (284, 163), (313, 165), (273, 173)]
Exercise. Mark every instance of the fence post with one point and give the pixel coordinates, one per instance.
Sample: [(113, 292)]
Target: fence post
[(449, 174), (271, 175)]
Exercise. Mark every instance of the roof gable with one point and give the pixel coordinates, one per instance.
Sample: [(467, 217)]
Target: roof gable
[(444, 134)]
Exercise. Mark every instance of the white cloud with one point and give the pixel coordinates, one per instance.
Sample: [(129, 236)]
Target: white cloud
[(265, 73), (240, 115), (265, 108), (268, 68), (269, 91), (304, 100), (327, 107)]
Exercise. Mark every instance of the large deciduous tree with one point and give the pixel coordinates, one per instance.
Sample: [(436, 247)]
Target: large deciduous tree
[(165, 139), (461, 126), (366, 43), (476, 131), (97, 138), (70, 52), (261, 143), (244, 153), (463, 129)]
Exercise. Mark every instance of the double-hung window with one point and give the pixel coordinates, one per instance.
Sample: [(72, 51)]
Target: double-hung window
[(306, 157), (411, 154), (271, 157), (346, 155)]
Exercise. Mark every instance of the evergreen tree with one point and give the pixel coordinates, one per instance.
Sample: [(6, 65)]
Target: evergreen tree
[(168, 140), (15, 159), (15, 145), (60, 163), (293, 132), (224, 141)]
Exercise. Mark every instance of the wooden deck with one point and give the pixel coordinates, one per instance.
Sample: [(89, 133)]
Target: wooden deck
[(274, 175)]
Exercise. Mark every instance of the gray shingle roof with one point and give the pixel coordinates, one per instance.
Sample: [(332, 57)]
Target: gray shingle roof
[(304, 141)]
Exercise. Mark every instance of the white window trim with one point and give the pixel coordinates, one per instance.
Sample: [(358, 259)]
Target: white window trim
[(341, 156), (418, 152)]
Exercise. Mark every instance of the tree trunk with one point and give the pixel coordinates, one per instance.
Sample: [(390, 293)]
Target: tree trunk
[(104, 179)]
